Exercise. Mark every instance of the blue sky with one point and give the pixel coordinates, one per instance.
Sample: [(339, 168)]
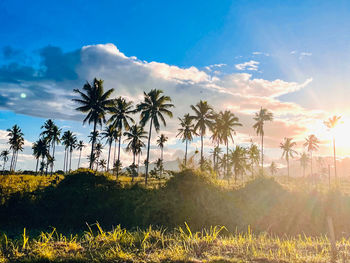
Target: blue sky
[(304, 44)]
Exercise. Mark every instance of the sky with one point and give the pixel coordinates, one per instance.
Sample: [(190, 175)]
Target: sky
[(288, 56)]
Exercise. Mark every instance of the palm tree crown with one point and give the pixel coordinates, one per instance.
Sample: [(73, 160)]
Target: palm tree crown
[(16, 142)]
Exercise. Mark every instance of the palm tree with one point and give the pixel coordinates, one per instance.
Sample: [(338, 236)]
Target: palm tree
[(162, 139), (102, 163), (239, 161), (41, 150), (186, 131), (98, 152), (261, 117), (80, 147), (228, 123), (273, 168), (5, 157), (288, 151), (204, 119), (16, 142), (52, 134), (72, 146), (134, 138), (331, 123), (69, 141), (109, 134), (216, 155), (311, 143), (138, 149), (120, 119), (304, 159), (96, 103), (154, 107), (254, 156)]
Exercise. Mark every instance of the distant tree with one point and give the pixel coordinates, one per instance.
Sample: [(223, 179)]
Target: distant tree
[(108, 134), (186, 132), (254, 156), (239, 161), (96, 103), (154, 107), (304, 159), (203, 116), (16, 142), (216, 155), (273, 168), (331, 123), (40, 150), (69, 141), (162, 139), (288, 151), (261, 117), (98, 152), (80, 147), (52, 134), (102, 163), (311, 144), (121, 119), (5, 157)]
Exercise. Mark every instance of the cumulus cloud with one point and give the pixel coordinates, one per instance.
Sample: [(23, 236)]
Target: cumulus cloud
[(49, 86), (249, 65)]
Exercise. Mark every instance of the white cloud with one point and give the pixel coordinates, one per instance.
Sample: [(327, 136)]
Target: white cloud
[(250, 65)]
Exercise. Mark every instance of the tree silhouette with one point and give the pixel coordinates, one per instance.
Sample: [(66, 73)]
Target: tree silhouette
[(5, 157), (203, 119), (40, 150), (162, 139), (288, 151), (16, 142), (239, 161), (186, 132), (155, 106), (80, 147), (96, 103), (52, 135), (109, 135), (311, 143), (254, 156), (261, 117), (331, 123), (304, 159), (121, 118)]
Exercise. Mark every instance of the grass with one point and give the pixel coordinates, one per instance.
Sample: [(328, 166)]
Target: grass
[(158, 245)]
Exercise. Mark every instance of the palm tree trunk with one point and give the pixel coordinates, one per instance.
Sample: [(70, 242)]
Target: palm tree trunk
[(133, 166), (53, 156), (202, 152), (115, 151), (186, 153), (226, 166), (64, 160), (161, 169), (120, 138), (12, 158), (262, 154), (138, 164), (288, 167), (311, 163), (335, 161), (93, 144), (70, 160), (109, 154), (37, 164), (148, 147), (3, 168), (79, 159)]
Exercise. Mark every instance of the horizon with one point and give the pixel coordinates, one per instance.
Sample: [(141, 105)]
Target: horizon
[(238, 56)]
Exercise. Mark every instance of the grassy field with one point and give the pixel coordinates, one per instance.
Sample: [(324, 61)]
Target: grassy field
[(265, 219)]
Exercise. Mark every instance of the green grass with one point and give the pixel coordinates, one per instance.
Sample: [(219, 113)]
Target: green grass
[(179, 245)]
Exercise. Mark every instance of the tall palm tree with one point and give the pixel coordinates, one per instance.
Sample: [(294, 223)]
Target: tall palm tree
[(138, 149), (204, 119), (239, 161), (134, 138), (96, 103), (228, 123), (108, 134), (311, 143), (186, 131), (5, 157), (16, 142), (154, 107), (304, 159), (72, 146), (80, 147), (254, 156), (331, 123), (52, 134), (162, 139), (288, 151), (98, 152), (68, 140), (261, 117), (121, 119), (216, 155), (40, 150)]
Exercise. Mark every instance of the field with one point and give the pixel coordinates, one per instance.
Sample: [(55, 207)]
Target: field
[(188, 218)]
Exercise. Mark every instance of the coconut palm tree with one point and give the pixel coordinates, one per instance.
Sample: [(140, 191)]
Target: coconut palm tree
[(134, 138), (121, 119), (102, 163), (228, 123), (96, 103), (216, 155), (261, 117), (254, 156), (304, 159), (109, 134), (154, 108), (239, 161), (80, 147), (72, 146), (216, 137), (203, 116), (331, 123), (41, 150), (273, 168), (186, 131), (98, 152), (311, 143), (16, 142), (68, 140), (288, 151), (138, 149), (5, 157), (162, 139)]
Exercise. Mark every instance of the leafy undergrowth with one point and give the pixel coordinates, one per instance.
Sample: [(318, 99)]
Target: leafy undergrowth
[(181, 245)]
